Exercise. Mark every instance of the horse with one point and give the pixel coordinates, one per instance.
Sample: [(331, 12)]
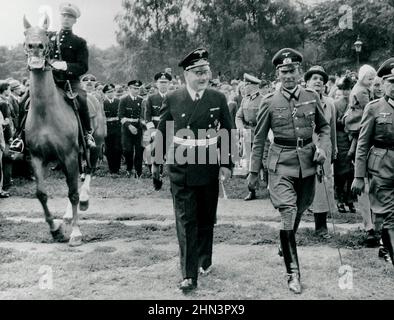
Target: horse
[(52, 134)]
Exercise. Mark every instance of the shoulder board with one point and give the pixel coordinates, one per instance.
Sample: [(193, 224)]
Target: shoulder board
[(374, 101)]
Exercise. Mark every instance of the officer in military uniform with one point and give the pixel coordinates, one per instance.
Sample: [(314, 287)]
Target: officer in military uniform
[(375, 155), (292, 113), (70, 61), (246, 119), (192, 121), (132, 122), (113, 146)]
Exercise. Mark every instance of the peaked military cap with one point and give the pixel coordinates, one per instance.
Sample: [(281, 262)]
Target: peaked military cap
[(108, 87), (135, 83), (71, 9), (163, 76), (249, 79), (386, 70), (88, 77), (196, 58), (286, 59), (316, 70)]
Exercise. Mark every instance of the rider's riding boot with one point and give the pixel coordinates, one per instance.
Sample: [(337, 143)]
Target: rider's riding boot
[(321, 224), (289, 248)]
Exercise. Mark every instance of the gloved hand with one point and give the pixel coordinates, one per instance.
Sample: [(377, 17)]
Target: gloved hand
[(252, 180), (133, 129), (59, 65), (358, 186), (224, 174), (320, 156)]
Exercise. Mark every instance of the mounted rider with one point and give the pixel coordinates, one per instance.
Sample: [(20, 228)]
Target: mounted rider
[(69, 59)]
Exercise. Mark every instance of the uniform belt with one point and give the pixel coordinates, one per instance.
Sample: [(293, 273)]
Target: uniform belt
[(112, 119), (155, 118), (131, 119), (195, 142), (293, 142), (383, 145)]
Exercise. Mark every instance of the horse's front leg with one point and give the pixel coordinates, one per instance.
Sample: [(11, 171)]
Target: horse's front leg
[(57, 229), (72, 172)]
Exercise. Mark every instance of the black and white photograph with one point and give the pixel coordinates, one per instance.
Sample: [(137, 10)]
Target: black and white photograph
[(197, 155)]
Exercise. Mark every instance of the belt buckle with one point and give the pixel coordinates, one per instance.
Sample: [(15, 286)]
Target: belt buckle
[(300, 143)]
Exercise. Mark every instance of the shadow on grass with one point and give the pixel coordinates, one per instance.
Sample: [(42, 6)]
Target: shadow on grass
[(253, 235)]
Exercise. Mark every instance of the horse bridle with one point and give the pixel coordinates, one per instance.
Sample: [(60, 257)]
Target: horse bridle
[(47, 65)]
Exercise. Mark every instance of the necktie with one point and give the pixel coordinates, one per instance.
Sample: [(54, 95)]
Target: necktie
[(197, 97)]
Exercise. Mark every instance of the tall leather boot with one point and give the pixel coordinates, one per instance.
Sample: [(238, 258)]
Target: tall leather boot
[(321, 224), (388, 241), (289, 248)]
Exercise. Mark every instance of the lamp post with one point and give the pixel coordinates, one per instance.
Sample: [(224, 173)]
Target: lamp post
[(357, 45)]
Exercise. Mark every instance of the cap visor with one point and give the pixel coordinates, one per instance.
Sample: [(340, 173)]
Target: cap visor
[(197, 64)]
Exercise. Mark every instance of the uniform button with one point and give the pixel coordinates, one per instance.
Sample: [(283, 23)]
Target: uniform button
[(297, 128), (211, 115), (295, 118), (210, 126), (188, 127), (183, 115)]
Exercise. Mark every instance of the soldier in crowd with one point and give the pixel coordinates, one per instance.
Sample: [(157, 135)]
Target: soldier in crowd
[(154, 102), (3, 194), (246, 120), (119, 91), (113, 146), (292, 113), (9, 130), (131, 119), (343, 166), (359, 97), (316, 79), (377, 88), (194, 181), (375, 155)]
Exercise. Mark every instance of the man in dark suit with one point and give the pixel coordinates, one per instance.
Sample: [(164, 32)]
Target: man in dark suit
[(113, 146), (131, 119), (194, 124)]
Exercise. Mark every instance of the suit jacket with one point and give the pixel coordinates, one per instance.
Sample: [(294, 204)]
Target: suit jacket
[(73, 50), (290, 120), (186, 117), (377, 124)]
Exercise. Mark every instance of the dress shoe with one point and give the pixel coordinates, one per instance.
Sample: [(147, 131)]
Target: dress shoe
[(280, 252), (251, 196), (352, 209), (341, 208), (188, 285), (204, 272), (4, 194)]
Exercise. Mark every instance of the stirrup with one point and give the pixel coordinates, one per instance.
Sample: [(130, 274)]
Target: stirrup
[(17, 145)]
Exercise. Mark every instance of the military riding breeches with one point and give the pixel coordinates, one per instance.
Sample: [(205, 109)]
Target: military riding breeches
[(132, 149), (195, 213), (381, 195), (291, 196)]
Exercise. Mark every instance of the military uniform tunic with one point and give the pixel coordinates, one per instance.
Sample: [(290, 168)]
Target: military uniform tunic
[(130, 113), (113, 146), (152, 110), (194, 185), (292, 117), (375, 155)]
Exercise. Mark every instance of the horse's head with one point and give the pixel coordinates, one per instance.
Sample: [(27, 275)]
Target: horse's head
[(37, 44)]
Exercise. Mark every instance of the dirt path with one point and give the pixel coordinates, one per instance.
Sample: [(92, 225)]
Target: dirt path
[(148, 267)]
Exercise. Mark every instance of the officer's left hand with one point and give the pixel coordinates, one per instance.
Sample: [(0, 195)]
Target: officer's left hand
[(59, 65), (224, 174), (320, 156)]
